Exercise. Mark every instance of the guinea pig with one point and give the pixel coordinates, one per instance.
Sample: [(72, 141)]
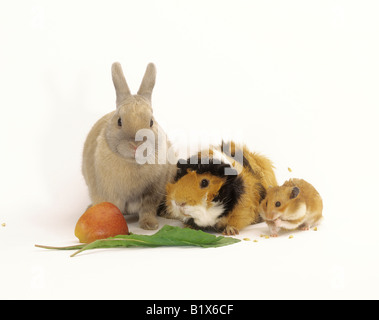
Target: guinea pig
[(216, 192), (294, 205)]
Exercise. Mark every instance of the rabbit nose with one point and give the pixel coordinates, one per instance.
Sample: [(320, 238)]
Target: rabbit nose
[(135, 145)]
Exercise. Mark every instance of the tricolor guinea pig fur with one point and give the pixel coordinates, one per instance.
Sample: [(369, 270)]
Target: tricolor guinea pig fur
[(294, 205), (206, 196)]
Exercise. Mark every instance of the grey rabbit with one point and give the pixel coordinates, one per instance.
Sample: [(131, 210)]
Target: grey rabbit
[(110, 157)]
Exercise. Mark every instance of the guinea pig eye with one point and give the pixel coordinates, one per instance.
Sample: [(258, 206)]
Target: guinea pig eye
[(119, 122), (266, 203), (151, 123), (277, 204), (204, 183)]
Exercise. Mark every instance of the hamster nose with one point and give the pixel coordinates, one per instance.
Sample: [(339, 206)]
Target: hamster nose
[(271, 216)]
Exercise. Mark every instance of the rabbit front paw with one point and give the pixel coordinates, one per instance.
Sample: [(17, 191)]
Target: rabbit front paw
[(148, 222)]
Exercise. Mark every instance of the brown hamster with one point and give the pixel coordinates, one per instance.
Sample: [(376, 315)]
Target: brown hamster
[(205, 197), (294, 205)]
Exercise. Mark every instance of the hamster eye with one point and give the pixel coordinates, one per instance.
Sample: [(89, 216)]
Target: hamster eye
[(277, 204), (151, 123), (119, 122), (204, 183)]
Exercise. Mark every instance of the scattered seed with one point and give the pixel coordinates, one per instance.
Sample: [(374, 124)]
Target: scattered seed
[(246, 239), (289, 169), (255, 240), (267, 237), (3, 224), (290, 237), (315, 229)]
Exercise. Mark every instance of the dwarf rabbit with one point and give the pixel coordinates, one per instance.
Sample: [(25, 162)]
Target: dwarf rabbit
[(113, 154)]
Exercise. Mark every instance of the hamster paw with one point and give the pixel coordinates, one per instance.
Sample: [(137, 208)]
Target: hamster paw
[(230, 231), (150, 223)]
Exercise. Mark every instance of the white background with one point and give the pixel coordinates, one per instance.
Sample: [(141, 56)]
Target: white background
[(294, 80)]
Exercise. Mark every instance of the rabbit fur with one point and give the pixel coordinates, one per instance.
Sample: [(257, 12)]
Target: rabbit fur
[(110, 167)]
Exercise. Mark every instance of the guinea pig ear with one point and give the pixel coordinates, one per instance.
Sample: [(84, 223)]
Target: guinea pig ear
[(148, 82), (119, 82), (181, 163), (294, 193)]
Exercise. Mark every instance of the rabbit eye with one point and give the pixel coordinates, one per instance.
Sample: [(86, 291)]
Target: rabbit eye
[(151, 123), (204, 183), (277, 204), (119, 122)]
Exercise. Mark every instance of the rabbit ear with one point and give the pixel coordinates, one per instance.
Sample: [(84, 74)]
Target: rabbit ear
[(148, 82), (122, 89)]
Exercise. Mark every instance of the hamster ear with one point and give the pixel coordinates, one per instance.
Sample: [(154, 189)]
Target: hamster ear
[(148, 82), (262, 192), (294, 193), (119, 82)]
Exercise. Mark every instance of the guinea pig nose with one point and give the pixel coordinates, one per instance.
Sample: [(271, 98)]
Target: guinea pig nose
[(181, 204)]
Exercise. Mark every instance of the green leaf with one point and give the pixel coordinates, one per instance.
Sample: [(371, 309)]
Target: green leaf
[(167, 236)]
